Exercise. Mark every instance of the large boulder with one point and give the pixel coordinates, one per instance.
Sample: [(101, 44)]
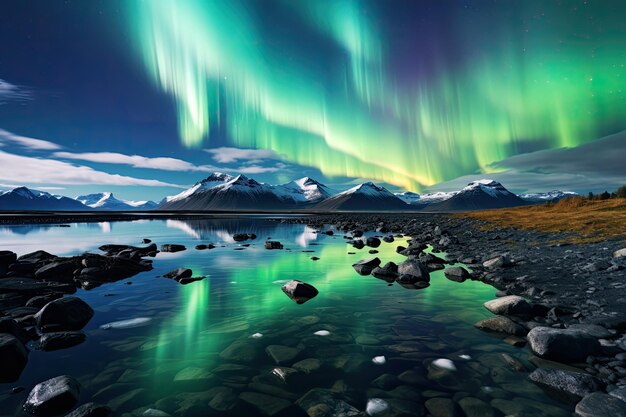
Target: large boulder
[(172, 247), (299, 291), (600, 405), (620, 253), (6, 258), (62, 271), (501, 261), (509, 305), (414, 269), (456, 273), (366, 266), (388, 272), (61, 340), (501, 324), (92, 410), (179, 273), (372, 242), (68, 313), (573, 385), (52, 397), (562, 345), (13, 357), (320, 402)]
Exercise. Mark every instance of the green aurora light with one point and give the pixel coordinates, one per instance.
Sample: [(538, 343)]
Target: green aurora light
[(546, 83)]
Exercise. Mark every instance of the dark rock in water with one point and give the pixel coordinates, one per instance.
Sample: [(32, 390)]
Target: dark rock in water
[(172, 247), (58, 270), (473, 407), (185, 281), (266, 404), (501, 261), (201, 247), (69, 313), (240, 237), (299, 291), (240, 351), (146, 241), (510, 305), (388, 238), (91, 409), (400, 249), (6, 258), (501, 324), (282, 355), (54, 396), (30, 286), (415, 269), (562, 345), (442, 407), (273, 244), (179, 273), (358, 244), (41, 300), (366, 266), (573, 385), (594, 330), (61, 340), (13, 357), (321, 402), (102, 269), (357, 233), (456, 273), (127, 250), (372, 242), (36, 257), (328, 233), (429, 258), (10, 326), (388, 272), (600, 405)]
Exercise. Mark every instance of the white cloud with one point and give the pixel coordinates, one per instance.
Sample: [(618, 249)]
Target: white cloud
[(137, 161), (30, 143), (10, 91), (256, 169), (227, 155), (24, 169)]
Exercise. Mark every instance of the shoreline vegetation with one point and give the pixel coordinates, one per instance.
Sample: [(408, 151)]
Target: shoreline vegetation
[(580, 219)]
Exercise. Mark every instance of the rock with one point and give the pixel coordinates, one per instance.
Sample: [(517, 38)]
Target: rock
[(619, 393), (358, 244), (415, 269), (172, 247), (320, 402), (193, 374), (456, 273), (266, 404), (388, 272), (179, 273), (307, 366), (388, 239), (95, 410), (366, 266), (594, 330), (240, 351), (442, 407), (572, 384), (299, 291), (6, 258), (61, 340), (562, 345), (600, 405), (68, 313), (58, 271), (515, 341), (10, 326), (272, 244), (511, 305), (13, 358), (473, 407), (372, 242), (54, 396), (501, 324), (36, 257), (282, 354), (620, 253), (240, 237), (185, 281), (501, 261)]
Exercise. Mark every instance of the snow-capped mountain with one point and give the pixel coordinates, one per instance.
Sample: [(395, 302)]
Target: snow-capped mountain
[(552, 196), (303, 191), (415, 199), (225, 192), (479, 195), (23, 198), (364, 197), (106, 201)]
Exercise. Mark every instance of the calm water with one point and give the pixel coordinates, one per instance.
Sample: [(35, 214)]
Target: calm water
[(172, 362)]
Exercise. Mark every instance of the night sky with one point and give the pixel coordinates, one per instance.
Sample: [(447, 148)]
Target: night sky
[(144, 97)]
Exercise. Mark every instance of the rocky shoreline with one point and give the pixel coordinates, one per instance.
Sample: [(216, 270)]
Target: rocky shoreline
[(566, 301)]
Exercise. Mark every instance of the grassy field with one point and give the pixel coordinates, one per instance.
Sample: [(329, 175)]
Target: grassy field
[(582, 220)]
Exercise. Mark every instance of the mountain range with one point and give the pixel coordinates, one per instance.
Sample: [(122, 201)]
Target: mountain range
[(221, 191)]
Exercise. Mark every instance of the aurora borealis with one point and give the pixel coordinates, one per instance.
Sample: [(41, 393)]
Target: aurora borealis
[(144, 98), (508, 78)]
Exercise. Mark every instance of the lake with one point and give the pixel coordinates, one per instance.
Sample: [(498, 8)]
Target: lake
[(202, 348)]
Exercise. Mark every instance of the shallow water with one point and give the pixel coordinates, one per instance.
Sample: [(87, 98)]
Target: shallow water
[(168, 358)]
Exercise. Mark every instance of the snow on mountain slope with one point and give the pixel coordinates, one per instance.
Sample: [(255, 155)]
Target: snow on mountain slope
[(552, 196), (213, 180), (424, 199), (364, 197), (479, 195), (107, 201), (23, 198), (303, 191)]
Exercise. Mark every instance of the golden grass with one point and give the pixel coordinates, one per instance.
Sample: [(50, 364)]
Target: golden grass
[(581, 220)]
